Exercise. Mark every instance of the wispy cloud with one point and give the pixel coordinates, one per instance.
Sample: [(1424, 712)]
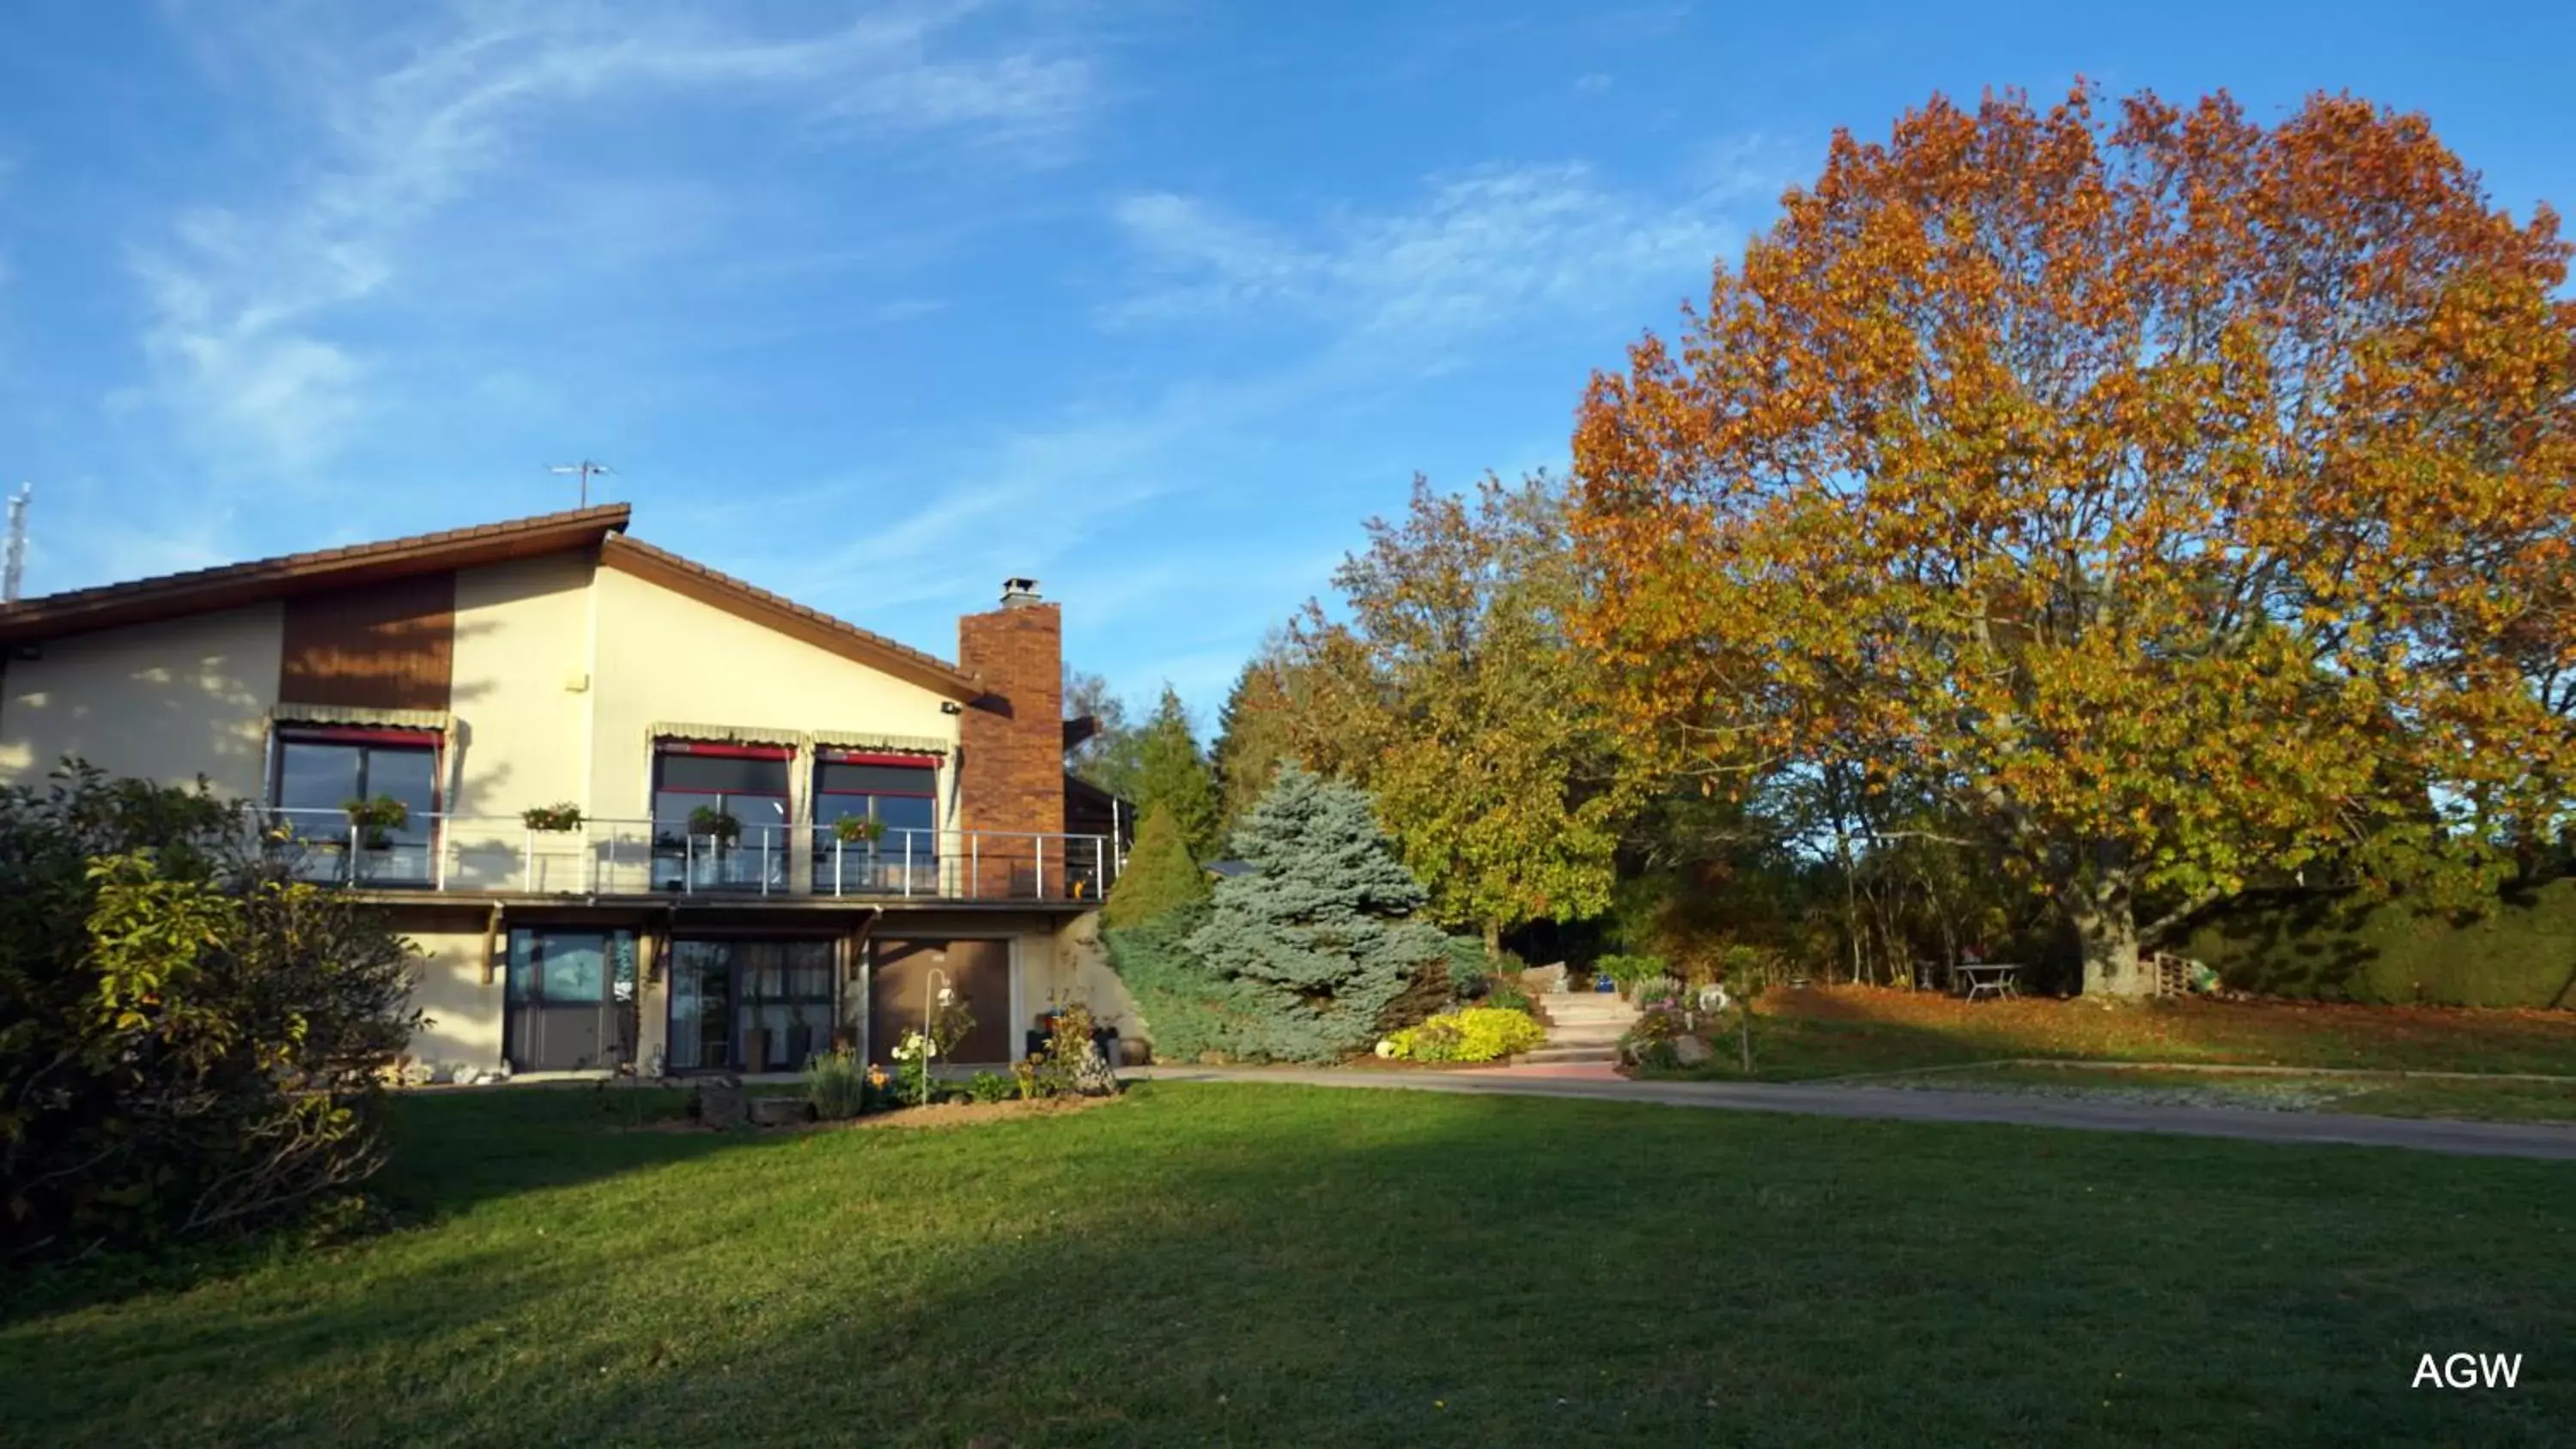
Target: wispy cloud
[(1495, 246), (247, 305)]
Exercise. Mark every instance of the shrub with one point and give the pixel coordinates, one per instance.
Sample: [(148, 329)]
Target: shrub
[(1474, 1034), (1470, 969), (1629, 970), (1185, 1003), (1160, 876), (1651, 1030), (191, 1043), (836, 1085), (1656, 991), (991, 1087), (1507, 996), (1313, 948)]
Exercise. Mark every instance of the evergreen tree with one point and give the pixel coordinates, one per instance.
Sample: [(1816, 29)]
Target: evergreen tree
[(1255, 735), (1173, 775), (1310, 950), (1161, 875)]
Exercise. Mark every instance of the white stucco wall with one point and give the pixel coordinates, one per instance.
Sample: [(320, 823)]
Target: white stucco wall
[(166, 701), (665, 657), (464, 1012), (521, 689)]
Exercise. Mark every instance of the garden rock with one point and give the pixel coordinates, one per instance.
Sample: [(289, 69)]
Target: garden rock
[(1094, 1078), (1690, 1051), (1549, 978), (777, 1111), (720, 1104)]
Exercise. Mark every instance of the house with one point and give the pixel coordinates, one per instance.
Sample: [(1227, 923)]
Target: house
[(781, 830)]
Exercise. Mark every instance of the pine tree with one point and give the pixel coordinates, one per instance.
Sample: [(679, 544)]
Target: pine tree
[(1161, 875), (1312, 947), (1173, 775), (1254, 735)]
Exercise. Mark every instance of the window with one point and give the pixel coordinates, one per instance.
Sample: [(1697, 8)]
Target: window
[(745, 783), (570, 999), (898, 792), (320, 770)]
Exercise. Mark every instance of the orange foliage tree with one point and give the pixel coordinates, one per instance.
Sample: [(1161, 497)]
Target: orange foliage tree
[(2175, 500)]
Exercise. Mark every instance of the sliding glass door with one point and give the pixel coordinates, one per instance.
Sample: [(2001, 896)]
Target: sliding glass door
[(750, 1004), (570, 1000)]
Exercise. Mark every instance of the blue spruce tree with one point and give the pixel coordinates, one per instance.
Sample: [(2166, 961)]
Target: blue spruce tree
[(1311, 949)]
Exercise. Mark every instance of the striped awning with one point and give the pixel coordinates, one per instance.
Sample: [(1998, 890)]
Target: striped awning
[(726, 734), (436, 720), (863, 740)]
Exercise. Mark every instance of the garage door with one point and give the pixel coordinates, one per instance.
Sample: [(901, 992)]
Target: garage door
[(899, 986)]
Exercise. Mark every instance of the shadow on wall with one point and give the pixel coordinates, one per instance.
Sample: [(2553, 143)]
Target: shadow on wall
[(166, 714)]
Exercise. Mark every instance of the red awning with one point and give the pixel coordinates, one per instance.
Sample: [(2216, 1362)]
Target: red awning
[(725, 751)]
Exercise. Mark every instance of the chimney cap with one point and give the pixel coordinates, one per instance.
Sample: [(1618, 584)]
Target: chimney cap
[(1017, 591)]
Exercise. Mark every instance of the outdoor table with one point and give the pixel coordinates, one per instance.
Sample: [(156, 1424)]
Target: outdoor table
[(1990, 978)]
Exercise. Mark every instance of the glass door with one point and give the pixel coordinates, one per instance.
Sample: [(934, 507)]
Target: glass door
[(751, 1004), (568, 999)]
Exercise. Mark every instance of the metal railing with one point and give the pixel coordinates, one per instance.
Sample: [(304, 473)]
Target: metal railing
[(493, 854)]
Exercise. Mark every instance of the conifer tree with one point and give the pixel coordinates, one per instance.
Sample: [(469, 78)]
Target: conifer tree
[(1161, 875), (1173, 775), (1309, 950)]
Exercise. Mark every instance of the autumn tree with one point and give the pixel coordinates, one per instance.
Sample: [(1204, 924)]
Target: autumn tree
[(1109, 756), (1453, 693), (1255, 731), (2172, 497), (1172, 774)]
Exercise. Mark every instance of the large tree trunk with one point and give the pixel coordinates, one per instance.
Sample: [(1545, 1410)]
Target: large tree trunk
[(2103, 911)]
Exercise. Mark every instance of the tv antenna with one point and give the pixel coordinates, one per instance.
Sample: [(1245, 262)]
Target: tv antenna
[(583, 469), (16, 566)]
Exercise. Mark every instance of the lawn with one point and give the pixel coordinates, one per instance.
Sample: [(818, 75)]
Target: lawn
[(1293, 1266), (2505, 1099), (1847, 1031)]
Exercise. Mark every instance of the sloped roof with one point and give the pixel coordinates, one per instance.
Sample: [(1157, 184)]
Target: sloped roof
[(168, 596), (229, 586)]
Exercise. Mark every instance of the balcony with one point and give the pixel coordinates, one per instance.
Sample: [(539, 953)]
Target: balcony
[(486, 855)]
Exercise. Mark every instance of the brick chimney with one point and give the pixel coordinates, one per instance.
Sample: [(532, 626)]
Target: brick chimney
[(1011, 742)]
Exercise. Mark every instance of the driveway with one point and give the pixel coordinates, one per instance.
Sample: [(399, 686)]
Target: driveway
[(2473, 1139)]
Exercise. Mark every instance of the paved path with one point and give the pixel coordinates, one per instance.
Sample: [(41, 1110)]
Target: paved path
[(2474, 1139)]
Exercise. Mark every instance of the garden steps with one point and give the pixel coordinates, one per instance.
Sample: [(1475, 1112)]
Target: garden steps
[(1583, 1026)]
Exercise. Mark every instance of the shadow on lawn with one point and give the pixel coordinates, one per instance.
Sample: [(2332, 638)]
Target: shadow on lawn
[(1294, 1266), (445, 1151)]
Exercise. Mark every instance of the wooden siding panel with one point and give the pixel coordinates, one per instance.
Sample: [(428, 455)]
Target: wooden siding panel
[(389, 645)]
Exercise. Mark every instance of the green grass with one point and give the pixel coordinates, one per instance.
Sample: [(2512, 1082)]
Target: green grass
[(1850, 1031), (2502, 1100), (1280, 1265)]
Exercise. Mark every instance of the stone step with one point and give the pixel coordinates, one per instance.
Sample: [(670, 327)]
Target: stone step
[(1546, 1055), (1585, 1033)]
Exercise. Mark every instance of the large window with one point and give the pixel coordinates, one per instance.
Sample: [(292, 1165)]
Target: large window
[(750, 1005), (322, 771), (899, 794), (697, 790), (570, 999)]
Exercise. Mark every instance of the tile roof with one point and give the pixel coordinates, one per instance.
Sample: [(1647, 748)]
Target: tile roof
[(231, 585)]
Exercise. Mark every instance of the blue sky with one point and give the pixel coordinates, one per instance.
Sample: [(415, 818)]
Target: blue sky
[(876, 304)]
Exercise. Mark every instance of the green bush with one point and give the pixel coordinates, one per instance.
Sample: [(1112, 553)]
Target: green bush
[(1473, 1034), (836, 1086), (1184, 1003), (192, 1044), (1507, 996), (1629, 970), (991, 1087), (1160, 876), (2341, 948), (1470, 969)]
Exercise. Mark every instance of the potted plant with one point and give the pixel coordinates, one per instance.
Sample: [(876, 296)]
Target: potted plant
[(557, 819), (375, 820), (708, 820), (858, 830)]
